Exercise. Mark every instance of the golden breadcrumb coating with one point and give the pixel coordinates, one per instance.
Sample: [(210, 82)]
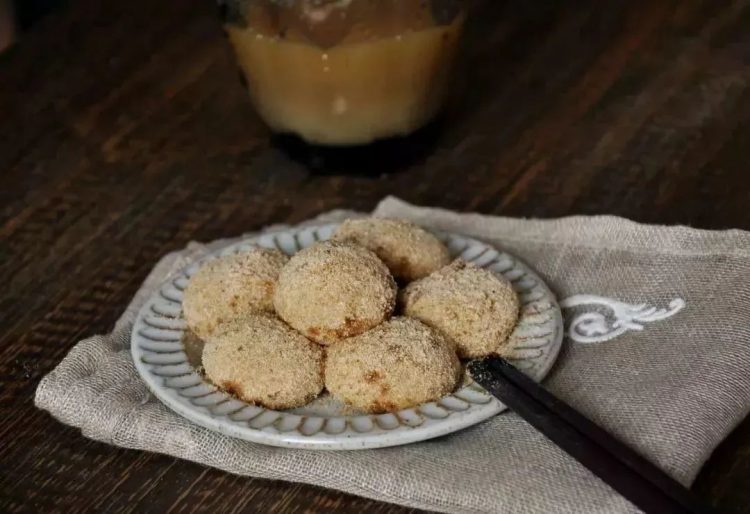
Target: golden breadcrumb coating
[(261, 360), (473, 307), (398, 364), (331, 291), (409, 251), (229, 287)]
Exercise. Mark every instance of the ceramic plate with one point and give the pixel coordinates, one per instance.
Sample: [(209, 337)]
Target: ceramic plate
[(167, 359)]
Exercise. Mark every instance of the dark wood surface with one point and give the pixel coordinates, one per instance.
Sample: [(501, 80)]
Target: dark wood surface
[(124, 134)]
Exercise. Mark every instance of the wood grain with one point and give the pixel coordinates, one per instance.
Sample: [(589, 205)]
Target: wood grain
[(124, 134)]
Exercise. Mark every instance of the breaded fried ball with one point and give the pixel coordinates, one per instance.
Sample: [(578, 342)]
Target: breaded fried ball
[(259, 359), (409, 251), (331, 291), (474, 307), (228, 287), (398, 364)]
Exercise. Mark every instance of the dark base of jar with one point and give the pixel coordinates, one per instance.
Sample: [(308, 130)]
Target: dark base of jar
[(382, 157)]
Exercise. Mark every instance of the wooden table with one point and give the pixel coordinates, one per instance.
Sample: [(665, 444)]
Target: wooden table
[(124, 134)]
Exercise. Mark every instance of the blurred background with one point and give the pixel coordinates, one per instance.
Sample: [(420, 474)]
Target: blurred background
[(17, 16)]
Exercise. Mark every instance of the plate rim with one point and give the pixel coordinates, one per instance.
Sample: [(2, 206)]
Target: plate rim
[(350, 438)]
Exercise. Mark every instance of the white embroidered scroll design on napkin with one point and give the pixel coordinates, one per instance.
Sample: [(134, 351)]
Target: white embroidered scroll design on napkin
[(594, 326)]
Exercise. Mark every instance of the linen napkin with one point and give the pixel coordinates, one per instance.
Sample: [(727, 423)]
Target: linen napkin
[(658, 353)]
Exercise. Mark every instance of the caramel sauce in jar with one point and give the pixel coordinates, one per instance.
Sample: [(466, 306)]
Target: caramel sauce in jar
[(346, 72)]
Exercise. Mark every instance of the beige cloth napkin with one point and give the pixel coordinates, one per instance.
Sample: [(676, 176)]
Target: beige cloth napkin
[(673, 389)]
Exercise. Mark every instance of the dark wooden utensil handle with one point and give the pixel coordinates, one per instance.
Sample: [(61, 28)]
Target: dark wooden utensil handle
[(637, 479)]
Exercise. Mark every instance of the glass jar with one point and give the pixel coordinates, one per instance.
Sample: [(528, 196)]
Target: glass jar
[(345, 72)]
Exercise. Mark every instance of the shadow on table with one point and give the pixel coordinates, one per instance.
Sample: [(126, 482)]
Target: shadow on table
[(385, 156)]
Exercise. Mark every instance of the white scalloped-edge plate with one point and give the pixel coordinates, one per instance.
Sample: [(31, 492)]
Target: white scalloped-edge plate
[(161, 357)]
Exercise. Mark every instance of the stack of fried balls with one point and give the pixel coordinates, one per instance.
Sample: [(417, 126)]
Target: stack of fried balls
[(378, 316)]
